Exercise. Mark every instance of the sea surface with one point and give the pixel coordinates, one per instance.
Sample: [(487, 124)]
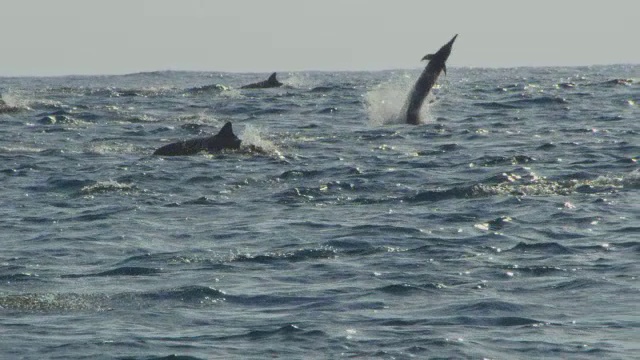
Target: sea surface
[(507, 226)]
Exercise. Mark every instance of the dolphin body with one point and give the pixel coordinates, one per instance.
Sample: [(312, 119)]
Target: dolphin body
[(427, 79), (225, 139), (269, 83)]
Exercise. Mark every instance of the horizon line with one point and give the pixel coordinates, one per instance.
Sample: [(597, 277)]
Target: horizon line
[(308, 70)]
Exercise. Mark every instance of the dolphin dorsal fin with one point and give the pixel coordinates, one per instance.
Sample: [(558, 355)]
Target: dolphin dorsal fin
[(272, 78), (227, 130), (428, 57)]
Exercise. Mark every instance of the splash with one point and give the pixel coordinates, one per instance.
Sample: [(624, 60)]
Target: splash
[(385, 102), (107, 148), (231, 93), (253, 141), (49, 302), (106, 186), (300, 81), (631, 180), (20, 149), (207, 89), (532, 185), (199, 118), (12, 101)]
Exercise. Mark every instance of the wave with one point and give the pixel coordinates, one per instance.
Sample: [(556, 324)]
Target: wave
[(187, 294), (285, 331), (19, 277), (289, 332), (486, 307), (327, 110), (289, 256), (543, 100), (54, 302), (324, 89), (66, 117), (462, 192), (58, 183), (167, 357), (106, 186), (109, 91), (299, 174), (405, 289), (488, 321), (529, 184), (521, 182), (534, 270), (580, 284), (614, 82), (120, 271), (495, 105), (24, 149), (488, 160), (207, 89), (495, 224), (552, 248), (522, 103), (80, 186), (58, 120), (110, 147)]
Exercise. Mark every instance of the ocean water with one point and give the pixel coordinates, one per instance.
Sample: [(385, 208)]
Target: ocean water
[(507, 226)]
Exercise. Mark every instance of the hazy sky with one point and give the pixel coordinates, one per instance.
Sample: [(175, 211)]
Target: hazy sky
[(60, 37)]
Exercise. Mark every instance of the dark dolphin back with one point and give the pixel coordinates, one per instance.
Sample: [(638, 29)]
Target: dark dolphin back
[(272, 81), (269, 83), (226, 131), (180, 148), (225, 139)]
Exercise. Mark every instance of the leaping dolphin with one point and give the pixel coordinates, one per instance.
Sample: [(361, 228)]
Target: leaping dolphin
[(225, 139), (269, 83), (427, 79)]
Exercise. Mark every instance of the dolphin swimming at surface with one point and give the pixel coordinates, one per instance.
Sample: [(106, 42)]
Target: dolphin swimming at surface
[(411, 109), (225, 139), (269, 83)]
